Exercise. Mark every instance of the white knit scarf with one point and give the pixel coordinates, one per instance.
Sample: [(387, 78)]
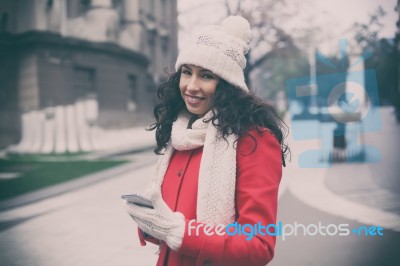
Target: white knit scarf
[(217, 173)]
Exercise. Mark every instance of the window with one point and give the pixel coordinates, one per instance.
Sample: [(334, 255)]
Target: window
[(164, 12), (133, 93), (84, 82), (4, 20), (76, 8), (151, 7)]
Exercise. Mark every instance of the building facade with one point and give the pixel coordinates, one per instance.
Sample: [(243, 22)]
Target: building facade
[(57, 52)]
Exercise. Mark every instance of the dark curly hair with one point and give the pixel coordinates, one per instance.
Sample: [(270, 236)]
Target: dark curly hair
[(236, 112)]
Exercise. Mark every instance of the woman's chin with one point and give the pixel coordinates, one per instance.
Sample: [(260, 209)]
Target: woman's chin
[(195, 111)]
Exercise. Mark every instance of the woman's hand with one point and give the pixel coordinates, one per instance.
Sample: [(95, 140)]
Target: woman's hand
[(160, 222)]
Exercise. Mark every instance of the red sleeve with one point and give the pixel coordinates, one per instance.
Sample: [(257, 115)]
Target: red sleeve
[(143, 238), (258, 177)]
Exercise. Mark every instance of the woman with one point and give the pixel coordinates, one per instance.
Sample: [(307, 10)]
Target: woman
[(222, 154)]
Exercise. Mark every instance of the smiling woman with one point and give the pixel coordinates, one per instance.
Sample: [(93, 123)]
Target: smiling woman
[(222, 154), (197, 86)]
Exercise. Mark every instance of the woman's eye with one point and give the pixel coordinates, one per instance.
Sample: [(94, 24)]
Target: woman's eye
[(208, 76), (186, 72)]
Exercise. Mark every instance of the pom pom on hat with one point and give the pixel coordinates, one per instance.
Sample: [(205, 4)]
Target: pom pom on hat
[(238, 27)]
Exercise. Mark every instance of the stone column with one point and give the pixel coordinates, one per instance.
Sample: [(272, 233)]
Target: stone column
[(130, 36)]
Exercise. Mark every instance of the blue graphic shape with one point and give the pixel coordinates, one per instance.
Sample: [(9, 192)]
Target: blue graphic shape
[(372, 154), (306, 126), (342, 125), (367, 54), (345, 103), (325, 60), (312, 159), (343, 46), (354, 231)]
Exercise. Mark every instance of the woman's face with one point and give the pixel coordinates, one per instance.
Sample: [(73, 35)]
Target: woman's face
[(197, 86)]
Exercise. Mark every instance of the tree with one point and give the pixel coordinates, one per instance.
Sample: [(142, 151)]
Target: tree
[(268, 36), (384, 57)]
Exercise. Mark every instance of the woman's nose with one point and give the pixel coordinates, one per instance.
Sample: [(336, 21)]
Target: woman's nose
[(193, 84)]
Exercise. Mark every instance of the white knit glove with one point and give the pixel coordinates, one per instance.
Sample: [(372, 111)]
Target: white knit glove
[(160, 222)]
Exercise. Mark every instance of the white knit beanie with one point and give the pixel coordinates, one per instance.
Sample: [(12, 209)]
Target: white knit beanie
[(220, 49)]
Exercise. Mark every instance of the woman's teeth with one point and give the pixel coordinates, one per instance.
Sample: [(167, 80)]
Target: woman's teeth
[(193, 99)]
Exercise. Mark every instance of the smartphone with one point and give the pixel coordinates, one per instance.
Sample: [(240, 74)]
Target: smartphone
[(138, 200)]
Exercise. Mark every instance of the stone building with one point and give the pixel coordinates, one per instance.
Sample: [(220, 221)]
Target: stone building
[(57, 52)]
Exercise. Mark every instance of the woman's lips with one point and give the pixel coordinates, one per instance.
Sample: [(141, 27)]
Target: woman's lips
[(193, 99)]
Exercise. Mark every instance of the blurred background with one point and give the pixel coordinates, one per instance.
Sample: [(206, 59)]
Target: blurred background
[(78, 82)]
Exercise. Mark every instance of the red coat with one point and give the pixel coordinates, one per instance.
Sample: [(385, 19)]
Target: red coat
[(258, 177)]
